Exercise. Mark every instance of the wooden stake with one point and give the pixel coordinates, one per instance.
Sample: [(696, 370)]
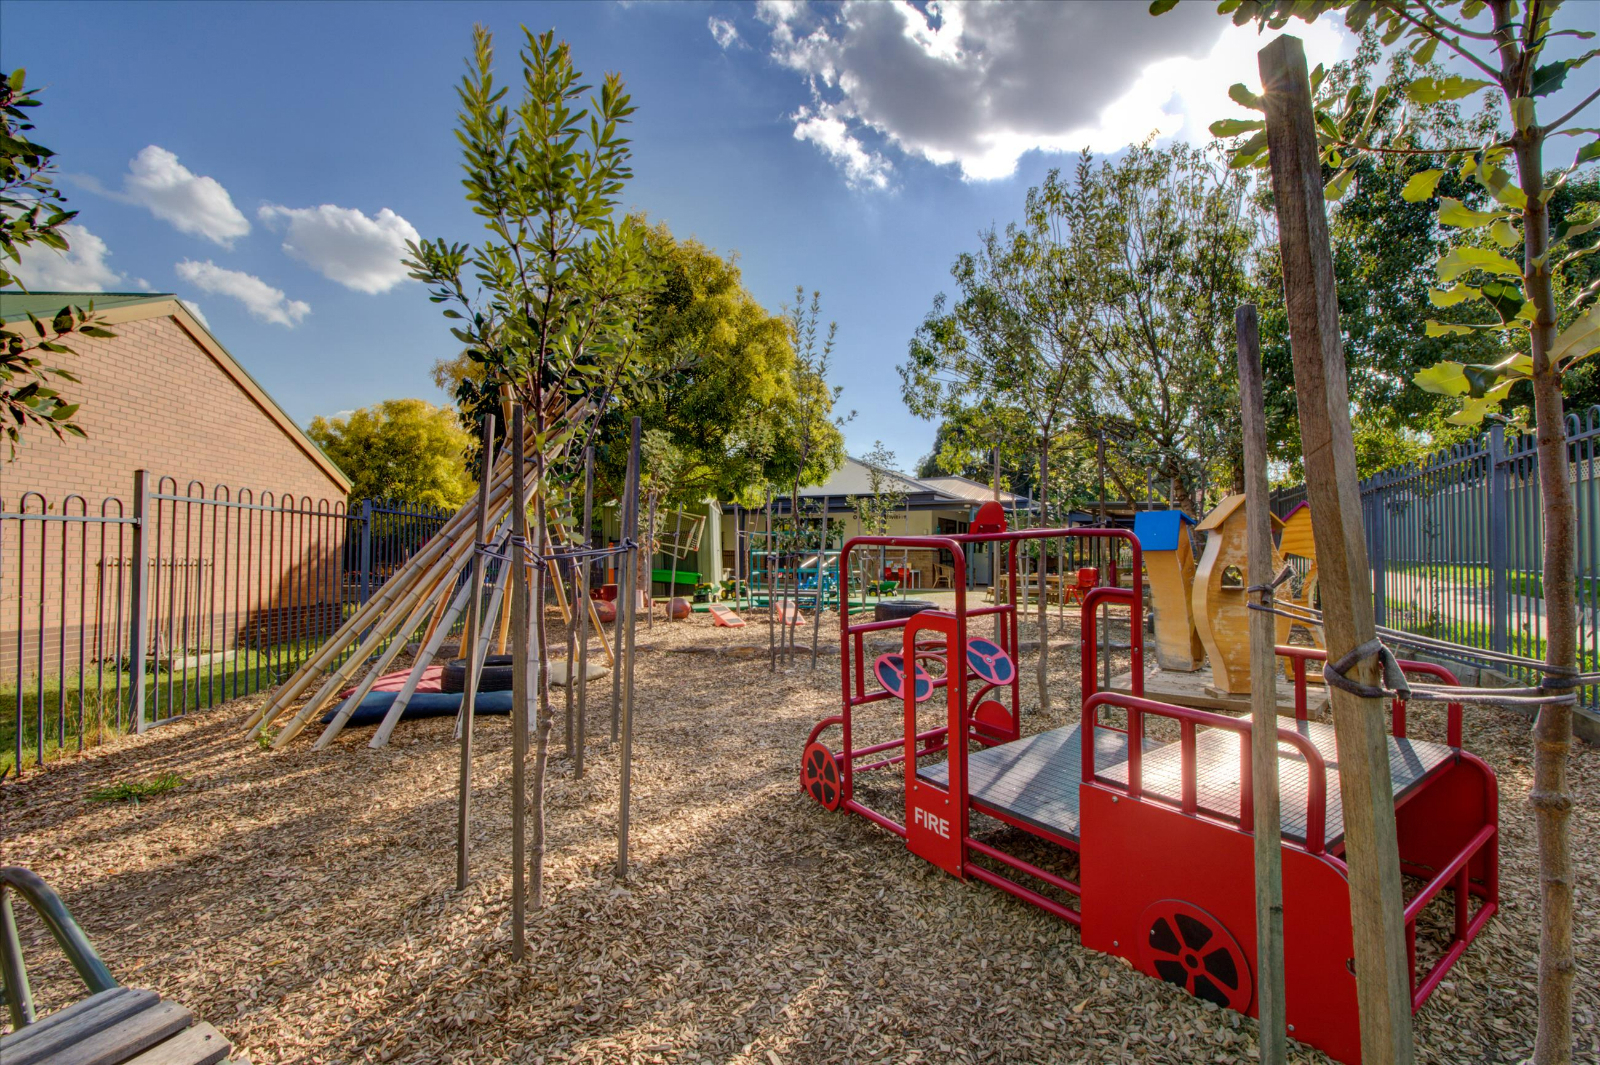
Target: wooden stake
[(625, 621), (520, 703), (1263, 703), (1383, 986), (469, 643), (583, 616)]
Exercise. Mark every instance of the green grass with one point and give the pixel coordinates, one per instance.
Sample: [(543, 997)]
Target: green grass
[(167, 693), (1518, 582), (135, 790)]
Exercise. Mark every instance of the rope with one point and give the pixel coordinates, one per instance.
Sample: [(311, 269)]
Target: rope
[(533, 558), (1557, 678)]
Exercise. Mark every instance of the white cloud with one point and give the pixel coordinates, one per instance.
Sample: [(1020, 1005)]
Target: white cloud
[(194, 308), (977, 85), (259, 298), (725, 33), (194, 204), (81, 268), (863, 169), (344, 245)]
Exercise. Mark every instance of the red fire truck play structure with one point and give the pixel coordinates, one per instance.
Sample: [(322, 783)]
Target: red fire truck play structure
[(1161, 831)]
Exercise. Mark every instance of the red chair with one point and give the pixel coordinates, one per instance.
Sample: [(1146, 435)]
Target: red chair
[(1088, 577)]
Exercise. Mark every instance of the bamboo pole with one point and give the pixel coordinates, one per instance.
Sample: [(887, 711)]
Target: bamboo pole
[(1382, 970), (497, 598), (572, 654), (583, 617), (1263, 703), (433, 623), (519, 694), (626, 623), (772, 598), (469, 697), (650, 566), (677, 545)]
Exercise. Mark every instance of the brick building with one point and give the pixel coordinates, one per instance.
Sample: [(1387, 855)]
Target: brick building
[(259, 558)]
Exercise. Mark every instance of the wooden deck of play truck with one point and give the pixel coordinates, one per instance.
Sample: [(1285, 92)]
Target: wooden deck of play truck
[(1161, 831)]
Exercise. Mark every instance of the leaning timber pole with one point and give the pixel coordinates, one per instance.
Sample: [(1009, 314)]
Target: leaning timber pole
[(624, 664), (470, 643), (1268, 828), (1383, 988), (520, 696)]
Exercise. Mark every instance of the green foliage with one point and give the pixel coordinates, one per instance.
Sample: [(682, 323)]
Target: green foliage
[(725, 372), (809, 445), (400, 450), (887, 496), (31, 212), (551, 301), (1385, 242), (135, 790), (1470, 270)]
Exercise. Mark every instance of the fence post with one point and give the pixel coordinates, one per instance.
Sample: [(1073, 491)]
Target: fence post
[(1378, 548), (138, 595), (1499, 600), (366, 549)]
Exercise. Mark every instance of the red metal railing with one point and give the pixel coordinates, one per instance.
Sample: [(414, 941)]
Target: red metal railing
[(1299, 656)]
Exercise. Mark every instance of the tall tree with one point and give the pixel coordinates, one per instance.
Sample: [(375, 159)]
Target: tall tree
[(1513, 45), (402, 450), (1009, 342), (1157, 248), (32, 215), (559, 285)]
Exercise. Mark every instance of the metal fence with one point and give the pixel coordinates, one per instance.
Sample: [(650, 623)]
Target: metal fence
[(1455, 543), (125, 614)]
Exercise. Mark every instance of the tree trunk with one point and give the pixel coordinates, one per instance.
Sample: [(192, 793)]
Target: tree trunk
[(1552, 734), (1044, 599)]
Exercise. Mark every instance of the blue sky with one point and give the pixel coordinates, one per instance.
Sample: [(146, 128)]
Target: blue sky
[(263, 161)]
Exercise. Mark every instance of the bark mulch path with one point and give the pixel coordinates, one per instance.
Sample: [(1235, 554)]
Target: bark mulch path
[(303, 901)]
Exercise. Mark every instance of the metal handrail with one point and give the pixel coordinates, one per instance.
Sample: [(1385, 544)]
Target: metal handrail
[(74, 944)]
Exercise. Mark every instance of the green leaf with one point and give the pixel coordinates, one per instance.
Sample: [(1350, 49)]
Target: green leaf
[(1421, 186), (1482, 379), (1587, 153), (1455, 213), (1424, 55), (1338, 184), (1443, 378), (1161, 7), (1501, 187), (1568, 227), (1430, 90), (1449, 297), (1548, 78), (1579, 340), (1505, 297), (1232, 127), (1458, 261), (1505, 234), (1522, 112), (1242, 96), (1445, 329), (61, 414), (15, 81)]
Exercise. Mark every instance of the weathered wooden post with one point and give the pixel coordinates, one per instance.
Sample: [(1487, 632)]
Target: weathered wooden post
[(470, 644), (1383, 989), (1263, 702), (624, 665), (520, 695), (581, 596)]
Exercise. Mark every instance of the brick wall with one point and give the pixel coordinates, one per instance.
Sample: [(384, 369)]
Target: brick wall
[(154, 397)]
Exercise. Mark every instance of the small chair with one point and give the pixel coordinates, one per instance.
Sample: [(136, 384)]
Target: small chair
[(1088, 578), (944, 575)]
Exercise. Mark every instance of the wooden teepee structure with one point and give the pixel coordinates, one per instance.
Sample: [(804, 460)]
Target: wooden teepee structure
[(428, 588)]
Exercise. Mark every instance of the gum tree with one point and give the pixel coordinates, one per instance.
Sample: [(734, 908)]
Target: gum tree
[(1504, 260), (1009, 342)]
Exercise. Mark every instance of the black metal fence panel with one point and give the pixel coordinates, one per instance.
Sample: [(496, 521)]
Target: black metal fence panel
[(126, 614)]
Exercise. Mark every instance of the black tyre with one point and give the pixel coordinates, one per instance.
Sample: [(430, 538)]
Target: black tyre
[(494, 677), (895, 609)]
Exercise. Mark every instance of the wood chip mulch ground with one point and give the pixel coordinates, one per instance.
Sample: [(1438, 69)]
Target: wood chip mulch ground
[(304, 902)]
